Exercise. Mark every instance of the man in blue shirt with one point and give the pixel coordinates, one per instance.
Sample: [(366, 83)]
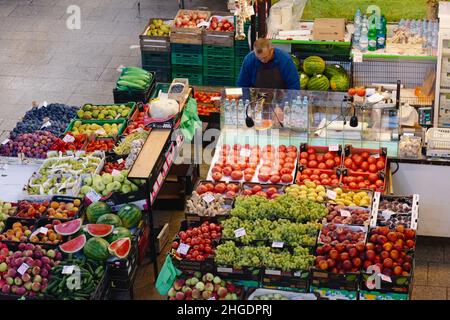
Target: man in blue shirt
[(268, 67)]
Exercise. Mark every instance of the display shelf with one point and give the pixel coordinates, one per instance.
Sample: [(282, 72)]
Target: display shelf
[(395, 56), (313, 42)]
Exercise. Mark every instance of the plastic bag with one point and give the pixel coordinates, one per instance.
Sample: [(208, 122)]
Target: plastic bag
[(190, 121), (284, 15), (166, 276)]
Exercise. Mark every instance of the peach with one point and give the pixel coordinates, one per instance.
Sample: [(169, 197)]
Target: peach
[(384, 255), (392, 236), (394, 254), (382, 239), (334, 254), (323, 265), (387, 246), (398, 270), (387, 263), (410, 234), (370, 255)]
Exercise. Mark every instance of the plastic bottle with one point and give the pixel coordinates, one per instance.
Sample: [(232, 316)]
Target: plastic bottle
[(364, 40), (241, 113), (286, 115), (228, 116), (381, 33), (233, 112), (357, 25), (296, 112), (304, 113), (372, 36)]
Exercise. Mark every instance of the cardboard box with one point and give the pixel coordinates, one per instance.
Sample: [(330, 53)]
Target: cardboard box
[(329, 29)]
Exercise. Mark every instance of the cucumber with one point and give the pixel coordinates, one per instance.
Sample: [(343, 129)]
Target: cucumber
[(134, 79), (140, 70), (130, 85), (137, 81), (136, 75)]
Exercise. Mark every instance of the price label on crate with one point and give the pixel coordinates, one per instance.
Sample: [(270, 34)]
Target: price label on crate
[(138, 129), (68, 269), (80, 153), (345, 213), (297, 274), (120, 161), (385, 278), (331, 194), (387, 214), (273, 272), (23, 268), (208, 197), (224, 270), (93, 196), (277, 244), (212, 298), (216, 98), (5, 141), (183, 248), (357, 57), (46, 124), (43, 230), (240, 232), (245, 153), (333, 148), (69, 138), (115, 173), (100, 131), (376, 156)]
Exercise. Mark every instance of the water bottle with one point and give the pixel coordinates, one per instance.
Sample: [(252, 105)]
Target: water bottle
[(381, 33), (250, 110), (304, 113), (286, 115), (241, 113), (364, 40), (228, 116), (297, 112), (233, 112)]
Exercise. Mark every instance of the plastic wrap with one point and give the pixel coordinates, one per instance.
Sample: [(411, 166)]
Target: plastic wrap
[(284, 15)]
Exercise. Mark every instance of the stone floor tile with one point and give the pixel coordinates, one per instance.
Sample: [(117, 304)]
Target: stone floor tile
[(438, 274), (95, 61), (95, 87), (109, 75), (429, 253), (124, 61), (79, 99), (429, 293), (420, 273)]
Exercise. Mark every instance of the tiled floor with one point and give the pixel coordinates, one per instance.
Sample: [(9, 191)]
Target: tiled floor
[(41, 60)]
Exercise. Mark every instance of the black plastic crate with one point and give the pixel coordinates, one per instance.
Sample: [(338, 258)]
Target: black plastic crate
[(325, 279), (68, 199), (162, 73), (102, 288), (8, 225), (252, 274), (123, 268), (287, 280), (41, 223), (135, 95)]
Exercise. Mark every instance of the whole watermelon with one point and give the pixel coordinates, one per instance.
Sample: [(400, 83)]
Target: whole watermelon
[(318, 83), (333, 70), (303, 80), (296, 61), (110, 218), (96, 249), (118, 233), (130, 215), (313, 65), (339, 83), (96, 210)]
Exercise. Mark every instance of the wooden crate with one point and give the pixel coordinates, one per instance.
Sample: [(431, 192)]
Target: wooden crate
[(155, 43), (187, 35), (220, 38)]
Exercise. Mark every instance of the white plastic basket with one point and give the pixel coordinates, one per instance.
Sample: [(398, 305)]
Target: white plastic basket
[(438, 138)]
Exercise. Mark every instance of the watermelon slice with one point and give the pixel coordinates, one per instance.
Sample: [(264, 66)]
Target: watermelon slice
[(68, 228), (99, 230), (74, 245), (120, 248)]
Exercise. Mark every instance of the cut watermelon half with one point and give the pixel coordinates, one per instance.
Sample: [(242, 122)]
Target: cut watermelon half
[(74, 245), (99, 230), (120, 248), (68, 228)]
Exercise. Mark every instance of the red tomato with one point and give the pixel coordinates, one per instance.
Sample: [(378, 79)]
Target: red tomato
[(365, 155), (320, 158), (361, 185), (326, 182), (316, 171), (282, 148), (329, 163), (304, 177), (314, 177), (248, 177), (304, 162), (352, 185), (311, 151), (365, 166), (372, 160), (263, 177), (262, 194), (334, 181), (317, 182), (291, 155), (227, 171), (312, 157), (373, 177), (380, 164), (379, 183), (358, 160), (285, 171), (312, 164), (286, 178), (361, 92), (275, 179), (217, 176), (348, 163), (289, 165), (337, 160), (322, 166), (236, 175), (304, 155), (373, 168), (328, 156), (308, 172), (291, 149), (216, 169), (324, 176), (351, 91), (350, 179), (359, 179)]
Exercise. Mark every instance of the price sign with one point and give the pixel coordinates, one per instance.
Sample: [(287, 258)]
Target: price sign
[(387, 214), (115, 173), (93, 196), (43, 230), (385, 278), (345, 213), (212, 298), (183, 248), (68, 269), (376, 156), (273, 272), (208, 198), (277, 244), (79, 153), (239, 232), (333, 148), (138, 130), (357, 57), (69, 138), (23, 268), (215, 98), (46, 124), (100, 132), (120, 161), (245, 153), (5, 141), (331, 194), (225, 270)]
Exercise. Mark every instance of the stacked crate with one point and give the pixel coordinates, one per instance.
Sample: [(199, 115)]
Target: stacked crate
[(218, 55), (187, 62), (155, 55)]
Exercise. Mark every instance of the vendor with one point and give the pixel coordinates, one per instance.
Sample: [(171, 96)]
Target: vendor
[(268, 67)]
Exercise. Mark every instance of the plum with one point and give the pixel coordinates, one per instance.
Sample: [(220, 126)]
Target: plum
[(45, 260), (12, 273), (6, 288), (21, 291)]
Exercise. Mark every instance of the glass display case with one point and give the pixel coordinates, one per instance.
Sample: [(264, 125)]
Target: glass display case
[(318, 118)]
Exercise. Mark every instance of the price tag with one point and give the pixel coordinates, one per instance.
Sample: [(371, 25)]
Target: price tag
[(212, 298), (69, 138), (138, 129), (273, 272), (345, 213), (80, 153), (333, 148), (297, 274), (357, 57), (331, 194), (5, 141), (385, 278), (115, 231), (216, 98), (240, 232), (245, 153), (46, 124), (3, 166), (277, 244), (23, 268), (44, 104), (100, 132), (225, 270), (69, 153), (376, 156), (68, 269), (115, 173), (250, 11), (387, 214), (208, 198), (183, 248), (120, 161), (43, 230), (93, 196)]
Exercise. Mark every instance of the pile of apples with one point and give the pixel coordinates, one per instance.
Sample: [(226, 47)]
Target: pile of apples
[(229, 190), (314, 160), (223, 25), (335, 235), (190, 19), (388, 249)]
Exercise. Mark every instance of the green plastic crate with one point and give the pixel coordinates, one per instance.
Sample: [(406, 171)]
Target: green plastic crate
[(186, 48), (160, 86), (188, 59), (218, 51), (194, 78), (155, 58), (218, 61), (219, 81), (121, 122), (187, 69), (223, 70), (132, 105), (162, 73)]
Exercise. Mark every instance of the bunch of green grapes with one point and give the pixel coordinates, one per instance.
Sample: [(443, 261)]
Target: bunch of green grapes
[(225, 253), (288, 262)]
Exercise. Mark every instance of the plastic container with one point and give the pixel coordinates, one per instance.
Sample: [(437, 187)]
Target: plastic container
[(410, 147)]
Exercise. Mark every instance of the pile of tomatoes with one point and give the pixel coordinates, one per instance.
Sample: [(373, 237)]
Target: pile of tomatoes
[(313, 160), (319, 177), (137, 122), (358, 91), (100, 145), (365, 171), (205, 105), (110, 166), (199, 240), (77, 144), (229, 190)]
